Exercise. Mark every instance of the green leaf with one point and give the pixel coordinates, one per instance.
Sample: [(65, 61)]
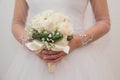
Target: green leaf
[(57, 37)]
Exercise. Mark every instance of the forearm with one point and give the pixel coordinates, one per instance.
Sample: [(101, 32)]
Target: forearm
[(93, 33), (19, 32), (98, 30), (19, 19)]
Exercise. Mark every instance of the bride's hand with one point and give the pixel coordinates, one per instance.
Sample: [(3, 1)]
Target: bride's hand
[(52, 56), (56, 56)]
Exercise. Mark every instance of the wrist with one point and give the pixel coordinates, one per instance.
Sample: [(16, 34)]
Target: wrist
[(75, 42), (85, 38)]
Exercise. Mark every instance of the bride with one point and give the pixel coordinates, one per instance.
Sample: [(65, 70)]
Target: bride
[(29, 66)]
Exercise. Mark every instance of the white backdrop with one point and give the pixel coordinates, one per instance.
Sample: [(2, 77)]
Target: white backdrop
[(8, 45)]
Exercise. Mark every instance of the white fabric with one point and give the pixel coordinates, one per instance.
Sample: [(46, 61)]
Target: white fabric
[(81, 64), (75, 9)]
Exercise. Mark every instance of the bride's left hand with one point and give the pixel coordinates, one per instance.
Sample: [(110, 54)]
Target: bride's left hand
[(53, 56)]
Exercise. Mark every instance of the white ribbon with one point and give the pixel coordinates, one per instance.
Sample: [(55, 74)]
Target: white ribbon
[(37, 45)]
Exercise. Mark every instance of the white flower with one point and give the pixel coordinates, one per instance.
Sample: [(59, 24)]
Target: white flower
[(48, 13), (50, 27), (57, 33), (43, 39), (52, 41), (51, 21), (49, 35), (66, 28), (48, 39)]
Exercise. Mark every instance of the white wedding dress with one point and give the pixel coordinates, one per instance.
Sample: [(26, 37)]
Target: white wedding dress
[(82, 64)]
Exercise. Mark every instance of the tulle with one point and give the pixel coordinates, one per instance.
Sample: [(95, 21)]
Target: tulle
[(82, 64)]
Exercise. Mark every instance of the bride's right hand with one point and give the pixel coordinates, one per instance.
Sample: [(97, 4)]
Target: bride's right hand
[(42, 55), (51, 56)]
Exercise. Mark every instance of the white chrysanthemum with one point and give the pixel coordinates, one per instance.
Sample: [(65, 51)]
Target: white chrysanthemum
[(58, 18), (51, 21), (48, 13), (66, 28)]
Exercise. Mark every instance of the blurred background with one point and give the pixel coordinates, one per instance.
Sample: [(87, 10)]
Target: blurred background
[(8, 45)]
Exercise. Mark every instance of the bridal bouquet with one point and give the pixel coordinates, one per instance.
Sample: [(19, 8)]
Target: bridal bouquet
[(49, 30)]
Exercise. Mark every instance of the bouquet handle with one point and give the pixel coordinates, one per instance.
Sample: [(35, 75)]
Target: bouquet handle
[(51, 67)]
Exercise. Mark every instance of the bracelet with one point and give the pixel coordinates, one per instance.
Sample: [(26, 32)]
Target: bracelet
[(85, 38), (23, 40)]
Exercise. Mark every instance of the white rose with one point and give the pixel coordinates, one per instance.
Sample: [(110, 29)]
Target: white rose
[(66, 28), (48, 13)]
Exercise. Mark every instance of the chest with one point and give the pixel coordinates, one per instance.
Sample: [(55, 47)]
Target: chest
[(57, 3)]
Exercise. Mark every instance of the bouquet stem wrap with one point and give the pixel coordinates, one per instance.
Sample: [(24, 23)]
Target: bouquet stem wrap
[(51, 67)]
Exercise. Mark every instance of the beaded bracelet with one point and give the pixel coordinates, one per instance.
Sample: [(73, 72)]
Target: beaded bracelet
[(85, 38), (23, 40)]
